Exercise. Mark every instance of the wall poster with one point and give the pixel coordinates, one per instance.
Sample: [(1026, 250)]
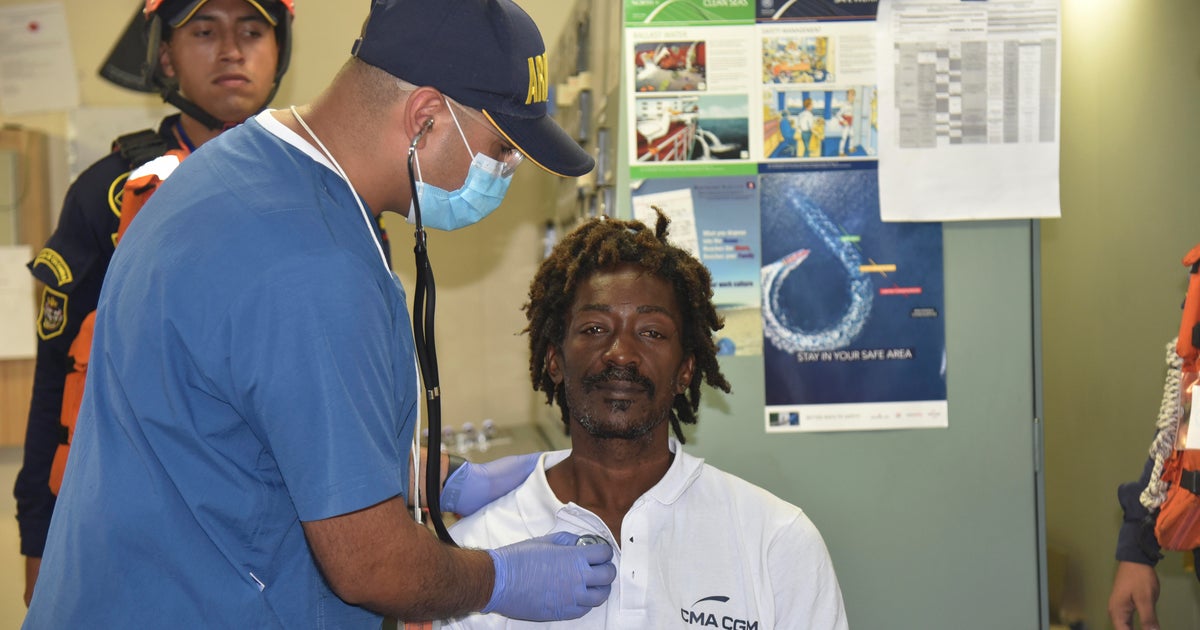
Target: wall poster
[(853, 322), (716, 219), (755, 127)]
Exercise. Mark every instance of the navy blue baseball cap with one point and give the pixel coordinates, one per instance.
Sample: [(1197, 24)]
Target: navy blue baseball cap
[(485, 54)]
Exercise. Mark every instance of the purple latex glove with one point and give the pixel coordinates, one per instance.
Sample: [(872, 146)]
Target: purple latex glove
[(550, 578), (473, 486)]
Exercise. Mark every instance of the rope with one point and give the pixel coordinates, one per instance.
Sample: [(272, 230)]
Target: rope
[(1169, 414)]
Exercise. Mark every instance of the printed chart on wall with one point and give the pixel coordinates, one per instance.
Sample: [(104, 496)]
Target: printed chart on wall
[(716, 219), (853, 321), (969, 104)]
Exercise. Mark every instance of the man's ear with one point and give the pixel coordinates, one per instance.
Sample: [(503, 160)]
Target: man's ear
[(684, 377), (552, 366), (164, 60), (423, 106)]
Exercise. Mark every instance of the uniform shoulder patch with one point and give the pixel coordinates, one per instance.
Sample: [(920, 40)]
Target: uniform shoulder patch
[(52, 319), (116, 191), (57, 264)]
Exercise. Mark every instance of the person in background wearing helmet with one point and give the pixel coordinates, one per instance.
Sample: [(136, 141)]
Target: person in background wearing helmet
[(242, 458), (219, 61)]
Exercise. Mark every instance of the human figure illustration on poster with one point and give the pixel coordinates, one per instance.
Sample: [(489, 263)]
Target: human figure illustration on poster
[(804, 126), (829, 124), (845, 121)]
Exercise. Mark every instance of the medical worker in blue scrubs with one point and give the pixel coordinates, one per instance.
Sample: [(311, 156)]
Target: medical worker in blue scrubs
[(242, 453)]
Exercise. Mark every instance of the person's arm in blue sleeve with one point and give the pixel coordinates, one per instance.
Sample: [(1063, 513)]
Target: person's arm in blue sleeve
[(71, 272), (1135, 540), (35, 501), (1135, 585)]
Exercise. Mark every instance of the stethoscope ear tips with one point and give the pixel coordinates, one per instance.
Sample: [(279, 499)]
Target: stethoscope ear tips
[(417, 138)]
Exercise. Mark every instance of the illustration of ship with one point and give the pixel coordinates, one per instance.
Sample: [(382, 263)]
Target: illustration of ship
[(666, 128)]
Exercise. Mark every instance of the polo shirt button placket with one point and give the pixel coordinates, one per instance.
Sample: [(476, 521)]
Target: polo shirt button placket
[(634, 557)]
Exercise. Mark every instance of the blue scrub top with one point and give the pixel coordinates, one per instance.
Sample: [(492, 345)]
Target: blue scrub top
[(252, 368)]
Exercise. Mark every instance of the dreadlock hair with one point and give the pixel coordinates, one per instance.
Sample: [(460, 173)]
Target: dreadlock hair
[(602, 244)]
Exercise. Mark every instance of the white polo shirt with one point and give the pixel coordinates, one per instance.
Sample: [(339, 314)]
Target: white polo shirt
[(702, 549)]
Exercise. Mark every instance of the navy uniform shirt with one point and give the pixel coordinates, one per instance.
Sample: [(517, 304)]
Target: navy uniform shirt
[(72, 266)]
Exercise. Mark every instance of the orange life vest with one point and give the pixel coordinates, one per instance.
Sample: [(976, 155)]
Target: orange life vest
[(142, 183), (1177, 526)]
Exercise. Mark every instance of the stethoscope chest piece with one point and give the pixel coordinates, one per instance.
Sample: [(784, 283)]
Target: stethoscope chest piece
[(590, 539)]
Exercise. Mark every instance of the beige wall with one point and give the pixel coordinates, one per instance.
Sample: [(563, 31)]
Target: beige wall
[(1112, 276), (482, 273)]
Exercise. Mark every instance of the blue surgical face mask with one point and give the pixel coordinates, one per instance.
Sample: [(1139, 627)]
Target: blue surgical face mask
[(479, 195)]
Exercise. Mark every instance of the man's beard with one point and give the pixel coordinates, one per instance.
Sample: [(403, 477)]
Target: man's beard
[(594, 423)]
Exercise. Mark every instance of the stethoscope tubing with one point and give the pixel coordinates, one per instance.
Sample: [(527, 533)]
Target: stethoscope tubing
[(424, 305)]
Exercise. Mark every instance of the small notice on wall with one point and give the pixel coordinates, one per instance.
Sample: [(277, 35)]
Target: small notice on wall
[(37, 69), (17, 309)]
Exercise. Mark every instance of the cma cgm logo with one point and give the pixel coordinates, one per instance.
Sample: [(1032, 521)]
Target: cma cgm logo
[(714, 620)]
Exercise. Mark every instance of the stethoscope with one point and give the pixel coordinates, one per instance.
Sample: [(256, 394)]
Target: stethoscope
[(423, 307), (424, 303)]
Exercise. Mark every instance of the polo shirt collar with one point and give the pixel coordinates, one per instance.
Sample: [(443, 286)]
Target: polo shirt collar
[(540, 509)]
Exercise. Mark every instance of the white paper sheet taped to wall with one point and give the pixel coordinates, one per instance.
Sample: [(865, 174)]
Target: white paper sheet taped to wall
[(969, 100), (17, 308)]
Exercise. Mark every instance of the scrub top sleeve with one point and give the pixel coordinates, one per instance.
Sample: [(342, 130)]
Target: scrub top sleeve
[(312, 355)]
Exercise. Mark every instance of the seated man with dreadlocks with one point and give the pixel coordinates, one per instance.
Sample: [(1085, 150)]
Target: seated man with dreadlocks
[(620, 333)]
